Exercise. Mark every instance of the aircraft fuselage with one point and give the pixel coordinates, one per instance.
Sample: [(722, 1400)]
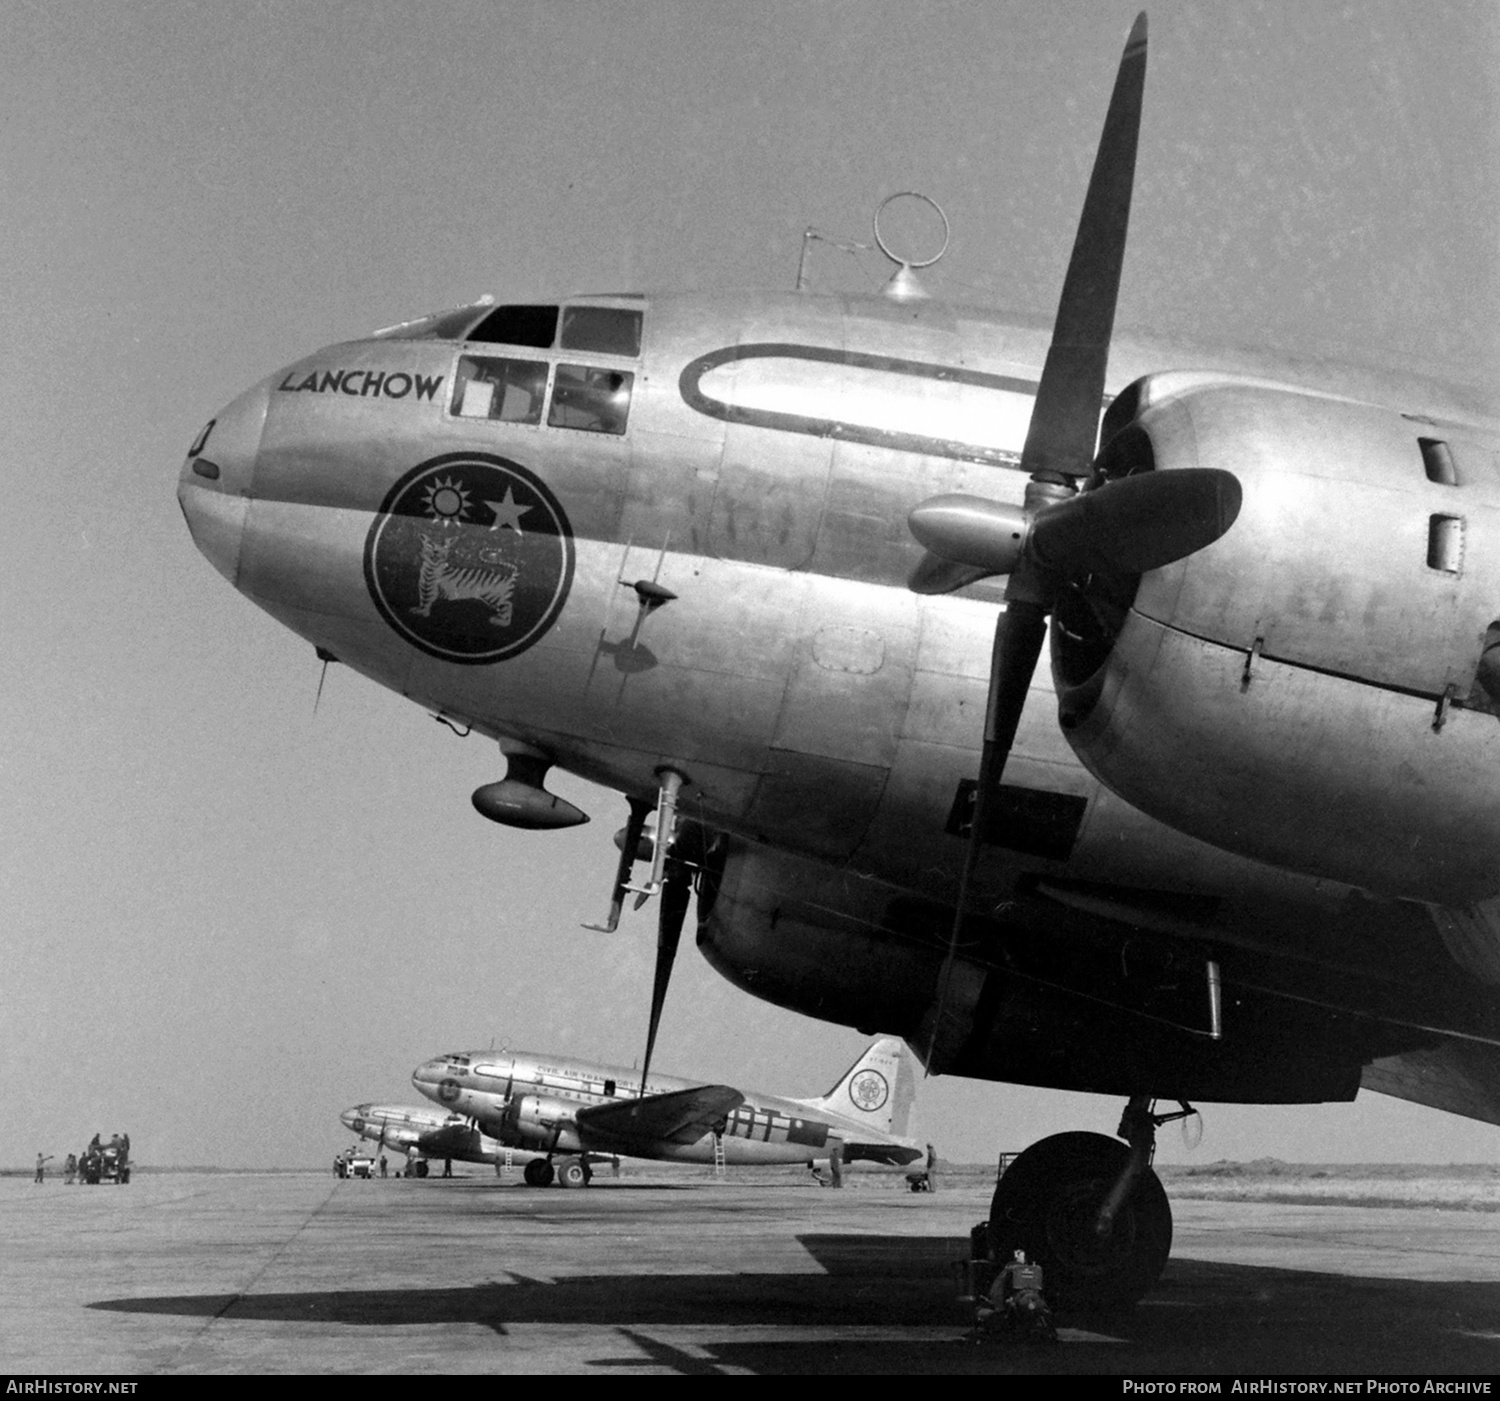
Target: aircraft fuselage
[(531, 1101), (660, 533)]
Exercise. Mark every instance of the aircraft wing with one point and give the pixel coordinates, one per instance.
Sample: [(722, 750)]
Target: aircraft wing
[(450, 1141), (1460, 1076), (683, 1116)]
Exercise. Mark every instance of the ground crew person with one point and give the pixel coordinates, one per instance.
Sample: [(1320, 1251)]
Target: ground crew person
[(1021, 1277), (41, 1166), (70, 1169), (1018, 1292)]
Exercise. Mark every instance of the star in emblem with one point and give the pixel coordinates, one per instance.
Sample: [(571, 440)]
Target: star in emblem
[(507, 512)]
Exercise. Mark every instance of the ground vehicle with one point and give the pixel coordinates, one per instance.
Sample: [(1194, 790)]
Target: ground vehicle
[(353, 1162), (107, 1163)]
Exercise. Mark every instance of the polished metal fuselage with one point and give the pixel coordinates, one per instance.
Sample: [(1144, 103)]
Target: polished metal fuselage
[(774, 447), (487, 1086), (416, 1130), (817, 706)]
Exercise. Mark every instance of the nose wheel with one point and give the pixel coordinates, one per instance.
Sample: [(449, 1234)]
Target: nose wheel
[(1052, 1203)]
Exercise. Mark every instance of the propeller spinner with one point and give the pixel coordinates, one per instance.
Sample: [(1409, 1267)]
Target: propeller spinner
[(1061, 534)]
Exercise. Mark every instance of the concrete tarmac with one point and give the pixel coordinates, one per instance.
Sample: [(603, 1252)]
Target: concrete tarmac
[(202, 1273)]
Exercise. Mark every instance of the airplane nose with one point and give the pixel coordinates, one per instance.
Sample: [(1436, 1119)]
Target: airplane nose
[(428, 1079), (215, 484)]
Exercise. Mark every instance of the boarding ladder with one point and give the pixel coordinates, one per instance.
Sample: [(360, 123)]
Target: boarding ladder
[(719, 1155)]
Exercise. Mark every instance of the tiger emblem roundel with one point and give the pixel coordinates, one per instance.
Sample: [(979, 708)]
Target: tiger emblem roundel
[(470, 558)]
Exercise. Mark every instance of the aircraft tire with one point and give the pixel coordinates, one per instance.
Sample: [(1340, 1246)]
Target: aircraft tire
[(538, 1173), (421, 1167), (573, 1174), (1046, 1204)]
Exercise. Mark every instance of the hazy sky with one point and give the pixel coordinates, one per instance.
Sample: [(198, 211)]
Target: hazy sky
[(226, 919)]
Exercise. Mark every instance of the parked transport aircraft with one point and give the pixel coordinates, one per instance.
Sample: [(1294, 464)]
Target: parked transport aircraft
[(422, 1132), (781, 566), (572, 1110)]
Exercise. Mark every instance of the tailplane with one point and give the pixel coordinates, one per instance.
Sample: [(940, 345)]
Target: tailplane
[(877, 1090)]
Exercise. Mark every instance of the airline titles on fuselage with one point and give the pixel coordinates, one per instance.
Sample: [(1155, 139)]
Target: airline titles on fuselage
[(392, 384)]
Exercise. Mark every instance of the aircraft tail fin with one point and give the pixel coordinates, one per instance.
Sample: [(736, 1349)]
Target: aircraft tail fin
[(878, 1089)]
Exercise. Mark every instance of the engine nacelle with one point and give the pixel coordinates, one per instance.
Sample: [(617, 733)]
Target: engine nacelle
[(1310, 689), (1058, 998), (540, 1121)]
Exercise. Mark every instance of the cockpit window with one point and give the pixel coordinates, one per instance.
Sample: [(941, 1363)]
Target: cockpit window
[(510, 391), (608, 330), (591, 399), (453, 1058), (534, 326)]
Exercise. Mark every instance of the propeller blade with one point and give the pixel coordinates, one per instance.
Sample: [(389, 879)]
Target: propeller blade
[(1019, 633), (1060, 444), (934, 575), (1136, 523), (676, 890), (1065, 420)]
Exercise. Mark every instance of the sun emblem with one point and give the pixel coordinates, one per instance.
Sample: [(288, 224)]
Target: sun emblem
[(446, 501)]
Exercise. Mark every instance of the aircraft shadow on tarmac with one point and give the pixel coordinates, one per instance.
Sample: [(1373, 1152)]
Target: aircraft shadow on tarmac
[(1203, 1317)]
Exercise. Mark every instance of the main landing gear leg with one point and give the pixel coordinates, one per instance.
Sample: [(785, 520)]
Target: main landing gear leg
[(1089, 1210)]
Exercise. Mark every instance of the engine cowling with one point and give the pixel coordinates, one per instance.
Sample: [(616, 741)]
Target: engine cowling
[(540, 1121), (1309, 690)]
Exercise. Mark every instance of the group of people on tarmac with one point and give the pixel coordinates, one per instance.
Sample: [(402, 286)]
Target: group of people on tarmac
[(86, 1167)]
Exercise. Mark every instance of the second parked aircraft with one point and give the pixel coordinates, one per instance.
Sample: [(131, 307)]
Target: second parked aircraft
[(421, 1133), (571, 1110)]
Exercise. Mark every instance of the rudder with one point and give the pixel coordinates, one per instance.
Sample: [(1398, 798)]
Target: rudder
[(878, 1089)]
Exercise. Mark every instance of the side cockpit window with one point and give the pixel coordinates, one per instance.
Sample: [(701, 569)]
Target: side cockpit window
[(510, 391), (534, 326), (591, 399), (605, 330)]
